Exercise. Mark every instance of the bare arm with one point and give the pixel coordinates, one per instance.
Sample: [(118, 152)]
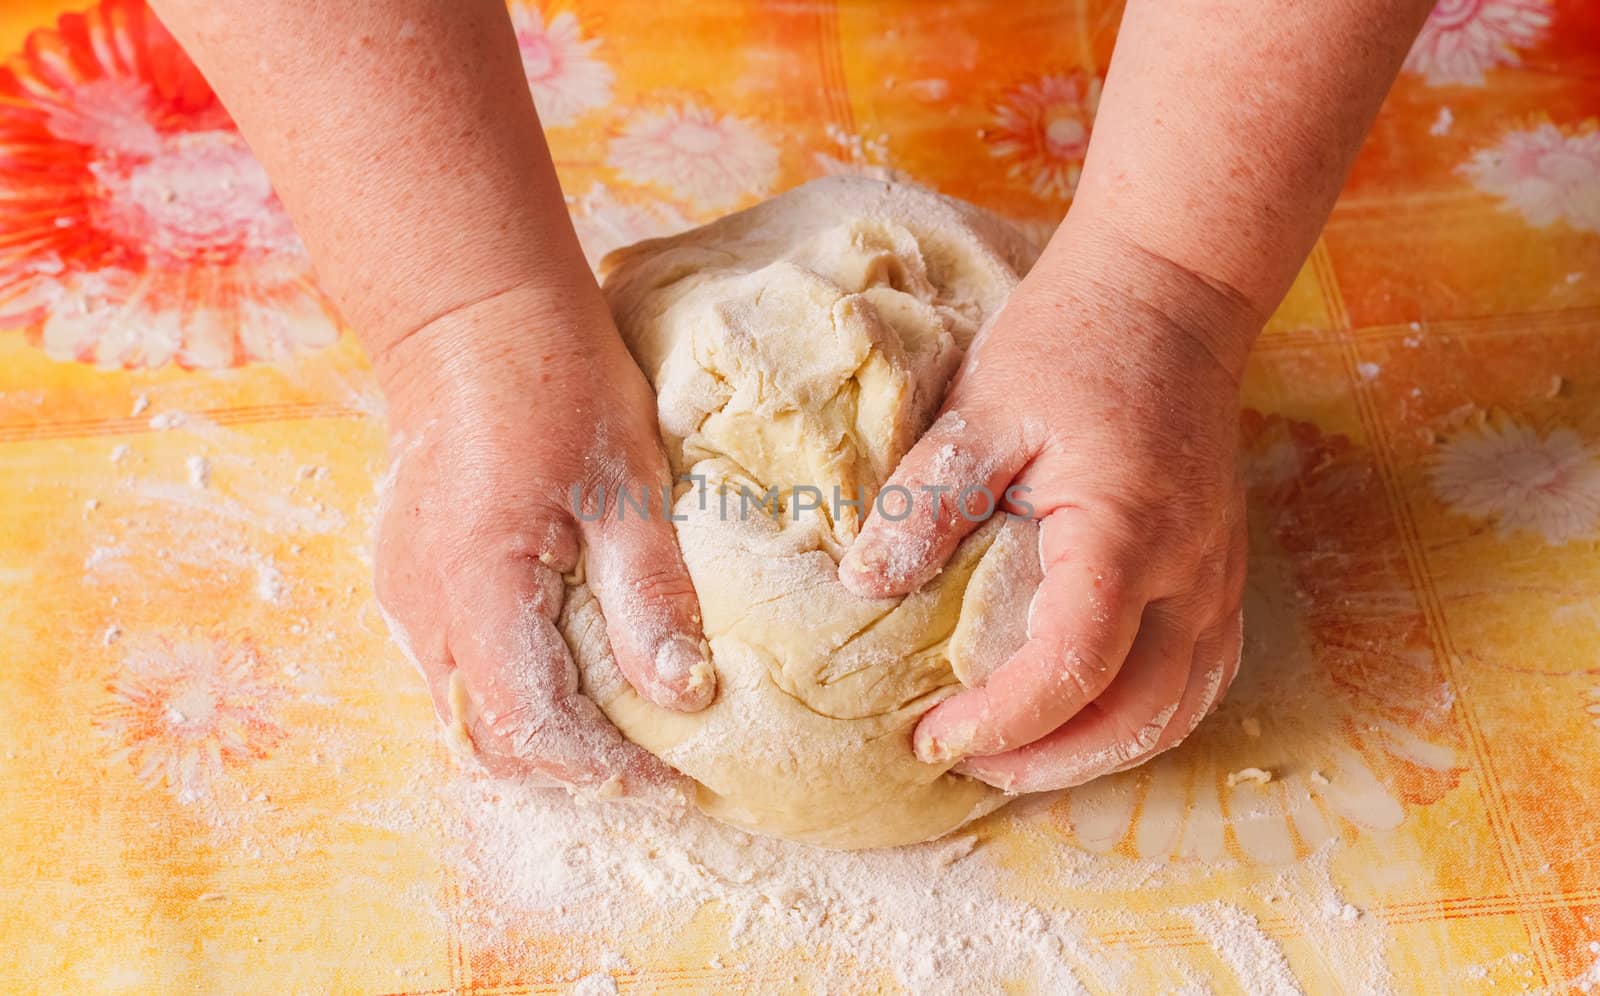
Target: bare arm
[(1227, 128), (404, 143), (1224, 133)]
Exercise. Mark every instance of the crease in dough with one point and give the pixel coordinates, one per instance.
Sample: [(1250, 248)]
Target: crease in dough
[(808, 341)]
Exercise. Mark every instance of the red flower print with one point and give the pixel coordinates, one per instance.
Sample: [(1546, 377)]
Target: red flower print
[(184, 712), (136, 229), (1041, 131)]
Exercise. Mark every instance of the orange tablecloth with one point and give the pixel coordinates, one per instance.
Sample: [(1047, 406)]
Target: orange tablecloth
[(214, 760)]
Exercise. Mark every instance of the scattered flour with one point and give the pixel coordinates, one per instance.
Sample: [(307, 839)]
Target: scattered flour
[(1590, 979), (1244, 947), (199, 471), (598, 984), (270, 586), (936, 917)]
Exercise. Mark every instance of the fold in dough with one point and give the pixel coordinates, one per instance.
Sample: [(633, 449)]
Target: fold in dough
[(808, 341)]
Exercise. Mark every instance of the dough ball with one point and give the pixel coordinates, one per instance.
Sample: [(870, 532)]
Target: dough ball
[(809, 341)]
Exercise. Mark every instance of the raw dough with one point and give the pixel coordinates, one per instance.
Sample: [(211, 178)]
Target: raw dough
[(808, 341)]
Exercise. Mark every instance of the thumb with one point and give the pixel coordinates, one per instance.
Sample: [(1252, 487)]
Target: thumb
[(952, 481), (652, 615)]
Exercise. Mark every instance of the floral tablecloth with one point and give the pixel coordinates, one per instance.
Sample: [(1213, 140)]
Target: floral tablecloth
[(216, 769)]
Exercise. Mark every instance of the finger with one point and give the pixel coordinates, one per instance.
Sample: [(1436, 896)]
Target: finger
[(1211, 671), (1216, 653), (1081, 625), (517, 689), (1230, 642), (1222, 650), (948, 485), (415, 595), (652, 616), (1120, 726)]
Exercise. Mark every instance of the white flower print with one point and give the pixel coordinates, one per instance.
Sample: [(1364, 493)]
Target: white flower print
[(565, 77), (1545, 174), (139, 229), (1521, 480), (1464, 38), (711, 160)]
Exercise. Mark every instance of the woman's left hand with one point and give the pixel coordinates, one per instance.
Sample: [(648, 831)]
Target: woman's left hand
[(1108, 388)]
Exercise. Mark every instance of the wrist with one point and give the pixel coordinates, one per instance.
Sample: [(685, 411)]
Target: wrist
[(493, 347), (483, 295), (1089, 256)]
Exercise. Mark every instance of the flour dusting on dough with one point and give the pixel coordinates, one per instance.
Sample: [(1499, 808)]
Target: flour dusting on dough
[(808, 342)]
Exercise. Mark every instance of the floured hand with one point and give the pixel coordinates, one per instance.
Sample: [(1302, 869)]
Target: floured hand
[(496, 412), (1104, 397)]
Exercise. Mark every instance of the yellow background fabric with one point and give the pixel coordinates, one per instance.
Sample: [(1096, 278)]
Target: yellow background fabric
[(198, 692)]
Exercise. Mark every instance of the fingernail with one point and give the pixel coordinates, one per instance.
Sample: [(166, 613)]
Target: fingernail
[(865, 559), (458, 733), (611, 788), (1006, 781), (932, 750), (685, 665)]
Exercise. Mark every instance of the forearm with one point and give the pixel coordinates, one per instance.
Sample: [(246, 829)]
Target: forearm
[(401, 136), (1225, 132)]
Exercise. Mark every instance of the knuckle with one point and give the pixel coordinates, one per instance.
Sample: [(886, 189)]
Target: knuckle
[(1215, 681), (1209, 572), (1177, 499), (1123, 529), (1083, 673), (1112, 588), (1117, 587), (639, 462), (1165, 542), (473, 556), (660, 585), (1137, 733)]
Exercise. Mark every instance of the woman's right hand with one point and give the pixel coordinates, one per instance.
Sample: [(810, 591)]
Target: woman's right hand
[(428, 200), (497, 411)]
